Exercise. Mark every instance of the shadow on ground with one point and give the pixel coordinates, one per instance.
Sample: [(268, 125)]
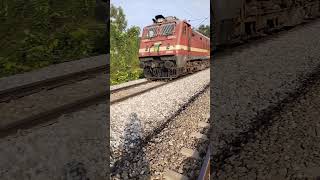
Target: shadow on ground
[(131, 165)]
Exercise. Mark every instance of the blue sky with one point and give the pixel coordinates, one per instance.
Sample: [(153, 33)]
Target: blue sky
[(141, 12)]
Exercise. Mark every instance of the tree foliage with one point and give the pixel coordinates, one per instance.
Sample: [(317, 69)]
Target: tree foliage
[(37, 33), (124, 48), (204, 29)]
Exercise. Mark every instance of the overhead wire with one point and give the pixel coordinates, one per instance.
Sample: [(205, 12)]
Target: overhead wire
[(195, 19), (202, 21)]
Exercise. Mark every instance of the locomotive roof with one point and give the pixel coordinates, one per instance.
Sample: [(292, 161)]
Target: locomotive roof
[(170, 19), (165, 22)]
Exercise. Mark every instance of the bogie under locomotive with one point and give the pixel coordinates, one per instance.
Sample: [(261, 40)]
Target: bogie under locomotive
[(170, 48)]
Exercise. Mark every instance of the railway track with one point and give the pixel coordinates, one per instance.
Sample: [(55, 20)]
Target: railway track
[(33, 119), (264, 122), (37, 103), (208, 169), (204, 159), (126, 92), (151, 144), (117, 89), (28, 89), (269, 70), (47, 116), (205, 173)]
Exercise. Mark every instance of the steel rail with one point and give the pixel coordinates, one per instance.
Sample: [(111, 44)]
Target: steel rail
[(20, 91), (130, 86), (135, 94), (205, 168), (48, 116)]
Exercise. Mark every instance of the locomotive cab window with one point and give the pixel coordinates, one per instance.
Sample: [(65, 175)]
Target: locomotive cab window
[(167, 29), (150, 32)]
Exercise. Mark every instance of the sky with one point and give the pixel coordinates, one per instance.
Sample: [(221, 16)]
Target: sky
[(141, 12)]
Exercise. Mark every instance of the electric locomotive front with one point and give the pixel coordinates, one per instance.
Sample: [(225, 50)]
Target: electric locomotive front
[(157, 48), (170, 48)]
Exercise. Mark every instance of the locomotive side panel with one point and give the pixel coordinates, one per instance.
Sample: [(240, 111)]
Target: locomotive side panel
[(200, 46), (225, 15), (235, 21)]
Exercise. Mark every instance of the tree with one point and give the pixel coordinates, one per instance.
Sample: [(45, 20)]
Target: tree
[(204, 29), (37, 33), (118, 17), (124, 48)]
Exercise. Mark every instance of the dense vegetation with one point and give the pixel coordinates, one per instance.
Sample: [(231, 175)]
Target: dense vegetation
[(204, 29), (124, 48), (37, 33)]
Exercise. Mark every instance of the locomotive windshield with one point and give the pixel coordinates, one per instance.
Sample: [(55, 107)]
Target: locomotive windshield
[(163, 30), (151, 32), (167, 29)]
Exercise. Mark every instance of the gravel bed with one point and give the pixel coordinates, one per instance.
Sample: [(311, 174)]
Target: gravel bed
[(118, 86), (288, 149), (253, 77), (46, 100), (74, 147), (136, 118), (162, 152), (52, 71)]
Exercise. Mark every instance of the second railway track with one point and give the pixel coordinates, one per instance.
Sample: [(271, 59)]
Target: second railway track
[(256, 78), (31, 88), (47, 127), (23, 107)]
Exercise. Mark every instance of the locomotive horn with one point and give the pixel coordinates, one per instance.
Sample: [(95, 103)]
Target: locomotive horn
[(159, 17)]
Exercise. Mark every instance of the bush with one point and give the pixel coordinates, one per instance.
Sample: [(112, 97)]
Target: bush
[(37, 33), (124, 60)]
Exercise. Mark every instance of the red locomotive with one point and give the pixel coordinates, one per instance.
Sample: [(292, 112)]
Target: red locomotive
[(170, 48)]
